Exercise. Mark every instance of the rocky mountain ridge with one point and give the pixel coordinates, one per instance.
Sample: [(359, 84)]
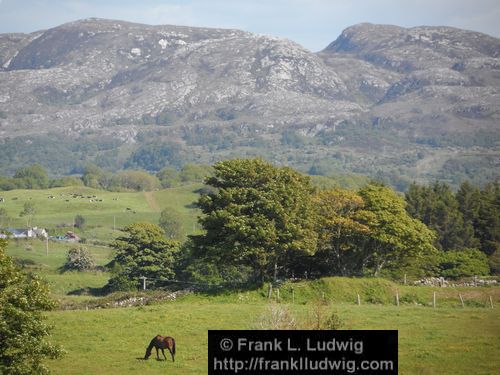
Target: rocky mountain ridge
[(382, 100)]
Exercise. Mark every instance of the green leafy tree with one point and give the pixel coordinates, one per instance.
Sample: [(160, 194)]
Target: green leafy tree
[(169, 177), (462, 263), (260, 216), (23, 332), (28, 211), (79, 259), (395, 240), (155, 155), (143, 251), (138, 180), (66, 181), (93, 176), (169, 222), (494, 262), (341, 234), (34, 177), (191, 173)]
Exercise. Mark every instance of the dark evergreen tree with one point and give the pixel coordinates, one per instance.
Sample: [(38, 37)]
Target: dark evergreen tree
[(488, 220)]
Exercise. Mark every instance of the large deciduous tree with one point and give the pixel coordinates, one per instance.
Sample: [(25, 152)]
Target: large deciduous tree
[(260, 216), (395, 239), (23, 332), (341, 234)]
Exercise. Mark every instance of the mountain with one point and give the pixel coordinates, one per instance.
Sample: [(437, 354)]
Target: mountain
[(394, 103)]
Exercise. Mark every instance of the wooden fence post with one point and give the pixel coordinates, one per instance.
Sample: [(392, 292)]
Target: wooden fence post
[(397, 298), (270, 290), (461, 300), (434, 300), (143, 282), (359, 300), (293, 296), (491, 302)]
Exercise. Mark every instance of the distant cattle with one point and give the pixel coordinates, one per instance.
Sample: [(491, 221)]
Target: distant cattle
[(2, 200)]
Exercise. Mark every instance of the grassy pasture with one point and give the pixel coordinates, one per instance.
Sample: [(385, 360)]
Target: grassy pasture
[(48, 266), (446, 340), (108, 210), (431, 341)]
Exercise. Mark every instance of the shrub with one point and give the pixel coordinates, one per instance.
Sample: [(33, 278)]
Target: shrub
[(467, 262), (79, 259), (276, 317), (79, 221)]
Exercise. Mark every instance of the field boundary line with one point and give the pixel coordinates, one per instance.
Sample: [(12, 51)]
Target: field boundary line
[(150, 198)]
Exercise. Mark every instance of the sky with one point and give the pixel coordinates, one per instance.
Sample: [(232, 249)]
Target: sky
[(312, 23)]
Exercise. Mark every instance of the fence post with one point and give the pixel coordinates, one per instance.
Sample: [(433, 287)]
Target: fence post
[(405, 279), (491, 302), (359, 300), (278, 295), (461, 300), (143, 282), (397, 298), (434, 300), (293, 296), (270, 291)]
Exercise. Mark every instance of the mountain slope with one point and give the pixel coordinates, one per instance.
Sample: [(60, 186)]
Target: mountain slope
[(386, 101)]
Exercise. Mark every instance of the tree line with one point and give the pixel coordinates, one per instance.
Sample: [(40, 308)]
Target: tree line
[(265, 223), (36, 177)]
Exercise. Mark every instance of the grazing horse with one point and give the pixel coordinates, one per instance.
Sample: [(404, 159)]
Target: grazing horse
[(160, 342)]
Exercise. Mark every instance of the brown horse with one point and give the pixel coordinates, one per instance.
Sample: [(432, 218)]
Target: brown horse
[(160, 342)]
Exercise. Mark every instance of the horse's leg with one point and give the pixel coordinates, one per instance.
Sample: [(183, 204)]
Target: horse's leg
[(172, 354), (163, 352), (157, 356)]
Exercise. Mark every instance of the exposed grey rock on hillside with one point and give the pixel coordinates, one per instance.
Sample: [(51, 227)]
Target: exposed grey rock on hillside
[(382, 100)]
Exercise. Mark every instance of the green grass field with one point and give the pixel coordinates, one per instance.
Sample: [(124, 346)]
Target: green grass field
[(444, 340), (431, 341), (104, 213)]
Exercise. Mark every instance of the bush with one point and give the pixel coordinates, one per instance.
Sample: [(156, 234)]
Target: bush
[(79, 259), (120, 283), (467, 262), (276, 317), (79, 221)]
